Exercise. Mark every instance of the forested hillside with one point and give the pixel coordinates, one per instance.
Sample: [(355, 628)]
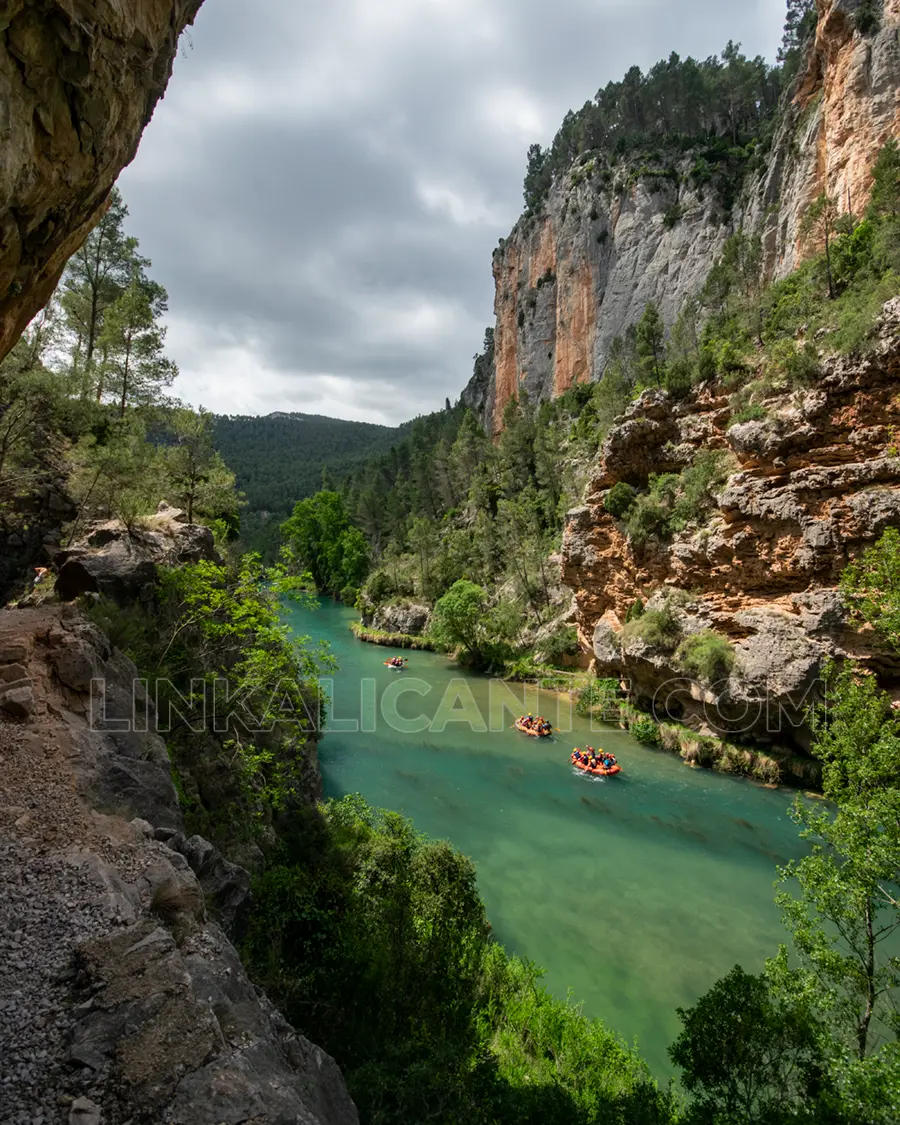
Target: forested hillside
[(280, 458)]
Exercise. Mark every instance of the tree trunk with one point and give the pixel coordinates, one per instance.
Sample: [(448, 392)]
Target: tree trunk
[(862, 1030), (125, 373), (95, 305)]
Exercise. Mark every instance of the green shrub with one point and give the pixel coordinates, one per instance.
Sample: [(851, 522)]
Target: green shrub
[(752, 413), (564, 642), (799, 366), (648, 517), (868, 17), (697, 486), (673, 216), (675, 500), (679, 376), (379, 588), (644, 730), (349, 595), (634, 611), (599, 696), (620, 500), (707, 656), (658, 628)]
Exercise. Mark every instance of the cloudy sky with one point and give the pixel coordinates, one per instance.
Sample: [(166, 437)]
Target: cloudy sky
[(323, 185)]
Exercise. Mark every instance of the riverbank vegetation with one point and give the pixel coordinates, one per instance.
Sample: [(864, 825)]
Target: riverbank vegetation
[(446, 510), (374, 941)]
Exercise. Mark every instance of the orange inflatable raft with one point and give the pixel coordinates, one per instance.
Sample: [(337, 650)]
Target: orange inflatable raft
[(530, 731), (597, 771)]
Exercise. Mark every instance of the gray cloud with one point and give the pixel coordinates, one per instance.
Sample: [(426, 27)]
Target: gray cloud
[(322, 187)]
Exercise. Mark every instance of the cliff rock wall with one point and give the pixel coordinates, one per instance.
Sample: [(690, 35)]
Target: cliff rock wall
[(571, 279), (814, 483), (122, 998), (79, 80)]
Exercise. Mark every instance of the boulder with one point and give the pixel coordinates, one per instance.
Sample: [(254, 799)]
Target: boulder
[(178, 1033), (225, 885), (607, 647), (17, 701), (11, 673), (121, 564), (410, 618), (115, 572)]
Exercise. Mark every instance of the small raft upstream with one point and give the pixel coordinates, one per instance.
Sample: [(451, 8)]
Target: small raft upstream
[(533, 730)]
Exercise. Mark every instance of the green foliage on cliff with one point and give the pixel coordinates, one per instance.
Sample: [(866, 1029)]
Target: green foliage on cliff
[(871, 586), (374, 942), (721, 109), (773, 337), (815, 1038), (236, 696), (706, 655), (659, 628), (675, 501), (83, 416)]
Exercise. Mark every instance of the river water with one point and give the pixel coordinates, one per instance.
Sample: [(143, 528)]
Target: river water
[(635, 893)]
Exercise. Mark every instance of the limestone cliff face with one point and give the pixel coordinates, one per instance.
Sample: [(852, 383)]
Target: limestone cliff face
[(845, 107), (79, 80), (815, 483), (571, 279)]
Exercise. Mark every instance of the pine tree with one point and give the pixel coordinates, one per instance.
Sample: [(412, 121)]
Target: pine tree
[(95, 278), (886, 187), (134, 369), (201, 481), (819, 224), (650, 342)]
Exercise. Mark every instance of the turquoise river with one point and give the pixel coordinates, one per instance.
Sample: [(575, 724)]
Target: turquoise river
[(634, 893)]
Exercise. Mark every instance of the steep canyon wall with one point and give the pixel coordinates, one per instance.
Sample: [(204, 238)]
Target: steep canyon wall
[(572, 278)]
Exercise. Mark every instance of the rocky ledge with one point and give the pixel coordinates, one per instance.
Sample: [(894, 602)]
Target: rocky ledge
[(122, 998), (121, 562), (815, 482)]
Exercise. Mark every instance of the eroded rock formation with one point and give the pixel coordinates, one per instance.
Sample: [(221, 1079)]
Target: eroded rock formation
[(126, 1001), (121, 563), (571, 279), (815, 483), (79, 80)]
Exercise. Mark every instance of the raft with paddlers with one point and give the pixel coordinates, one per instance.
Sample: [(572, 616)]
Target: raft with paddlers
[(396, 663), (598, 763), (534, 728)]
